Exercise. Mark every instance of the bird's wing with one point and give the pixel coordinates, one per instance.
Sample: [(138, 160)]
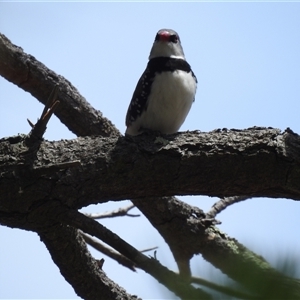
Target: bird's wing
[(139, 98)]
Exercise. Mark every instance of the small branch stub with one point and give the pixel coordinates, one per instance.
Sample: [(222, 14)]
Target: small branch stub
[(39, 128)]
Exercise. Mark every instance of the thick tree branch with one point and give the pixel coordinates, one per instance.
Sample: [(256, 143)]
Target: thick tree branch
[(34, 77), (215, 164), (69, 252)]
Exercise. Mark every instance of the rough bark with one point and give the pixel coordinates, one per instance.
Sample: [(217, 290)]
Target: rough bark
[(69, 252), (258, 162)]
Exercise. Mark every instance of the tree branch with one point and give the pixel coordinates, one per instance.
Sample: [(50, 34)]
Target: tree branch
[(121, 259), (168, 278), (223, 204), (120, 212), (182, 227), (34, 77), (224, 163), (69, 252)]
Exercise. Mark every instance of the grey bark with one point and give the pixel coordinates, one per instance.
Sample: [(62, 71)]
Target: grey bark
[(257, 162)]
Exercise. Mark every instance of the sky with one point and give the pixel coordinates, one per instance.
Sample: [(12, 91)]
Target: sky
[(246, 59)]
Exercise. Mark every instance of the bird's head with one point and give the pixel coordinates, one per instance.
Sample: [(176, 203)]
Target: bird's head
[(167, 44)]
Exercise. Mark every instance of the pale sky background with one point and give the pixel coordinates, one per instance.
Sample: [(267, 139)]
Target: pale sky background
[(246, 57)]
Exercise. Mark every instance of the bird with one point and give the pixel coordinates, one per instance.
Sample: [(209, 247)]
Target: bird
[(166, 90)]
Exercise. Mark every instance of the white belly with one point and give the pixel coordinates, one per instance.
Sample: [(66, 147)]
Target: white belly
[(172, 94)]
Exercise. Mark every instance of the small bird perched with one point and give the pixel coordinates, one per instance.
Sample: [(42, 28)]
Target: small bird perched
[(166, 90)]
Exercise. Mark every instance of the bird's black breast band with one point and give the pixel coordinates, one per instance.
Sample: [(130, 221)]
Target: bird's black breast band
[(165, 64)]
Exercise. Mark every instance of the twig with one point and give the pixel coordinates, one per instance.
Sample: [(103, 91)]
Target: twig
[(121, 259), (120, 212), (148, 249), (39, 128), (223, 203), (50, 100), (222, 289)]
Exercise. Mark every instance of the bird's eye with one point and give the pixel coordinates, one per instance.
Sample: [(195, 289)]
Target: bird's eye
[(157, 37), (174, 38)]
